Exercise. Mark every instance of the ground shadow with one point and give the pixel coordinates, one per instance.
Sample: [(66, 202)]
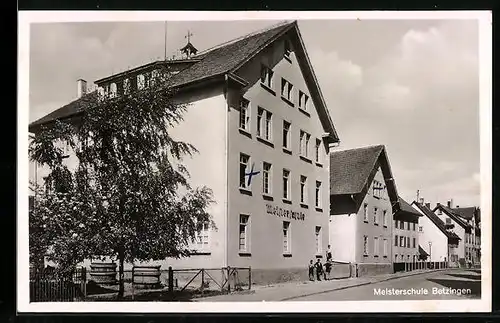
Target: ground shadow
[(467, 276), (474, 286)]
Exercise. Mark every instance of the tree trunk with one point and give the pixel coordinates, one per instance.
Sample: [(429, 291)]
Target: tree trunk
[(121, 282)]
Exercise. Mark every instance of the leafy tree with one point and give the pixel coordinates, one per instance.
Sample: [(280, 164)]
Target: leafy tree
[(128, 196)]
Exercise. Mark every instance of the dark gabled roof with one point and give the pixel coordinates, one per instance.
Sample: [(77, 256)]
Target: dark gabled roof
[(465, 212), (436, 220), (225, 59), (422, 252), (455, 217), (68, 110), (406, 207), (350, 169)]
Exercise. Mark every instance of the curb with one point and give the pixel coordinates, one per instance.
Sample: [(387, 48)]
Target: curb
[(362, 284)]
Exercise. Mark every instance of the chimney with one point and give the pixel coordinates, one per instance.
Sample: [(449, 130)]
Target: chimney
[(422, 201), (428, 205), (449, 203), (81, 89)]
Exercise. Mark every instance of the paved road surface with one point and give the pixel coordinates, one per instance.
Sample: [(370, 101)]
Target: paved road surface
[(431, 282)]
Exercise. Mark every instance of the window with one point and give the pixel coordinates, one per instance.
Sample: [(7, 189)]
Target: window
[(244, 115), (402, 241), (317, 150), (303, 189), (286, 134), (286, 184), (318, 240), (365, 212), (286, 89), (303, 98), (375, 216), (401, 224), (386, 247), (395, 258), (243, 233), (304, 143), (113, 90), (414, 243), (141, 82), (266, 178), (201, 237), (317, 198), (377, 189), (396, 224), (375, 246), (420, 228), (264, 128), (266, 76), (365, 245), (288, 49), (414, 226), (408, 242), (384, 218), (396, 241), (286, 237), (244, 170), (440, 212), (126, 86)]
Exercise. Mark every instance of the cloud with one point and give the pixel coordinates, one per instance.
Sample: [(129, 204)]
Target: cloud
[(420, 99)]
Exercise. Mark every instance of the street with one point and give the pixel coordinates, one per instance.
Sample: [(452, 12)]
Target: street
[(433, 285)]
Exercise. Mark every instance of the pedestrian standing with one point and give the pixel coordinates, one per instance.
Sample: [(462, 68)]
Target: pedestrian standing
[(311, 270), (329, 253), (328, 268), (319, 270)]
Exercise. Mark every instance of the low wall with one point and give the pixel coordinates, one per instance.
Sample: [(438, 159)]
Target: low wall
[(364, 270)]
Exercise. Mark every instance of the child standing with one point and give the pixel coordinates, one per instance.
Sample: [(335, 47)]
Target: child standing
[(319, 270), (311, 271)]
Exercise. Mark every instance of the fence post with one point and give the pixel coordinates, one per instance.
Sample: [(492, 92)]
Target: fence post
[(202, 280), (229, 279), (84, 276), (170, 279), (249, 278)]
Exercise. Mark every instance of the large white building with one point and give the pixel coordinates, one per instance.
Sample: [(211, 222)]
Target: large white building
[(255, 107)]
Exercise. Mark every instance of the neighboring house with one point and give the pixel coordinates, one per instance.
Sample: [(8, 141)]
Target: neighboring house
[(256, 106), (472, 215), (405, 244), (436, 240), (463, 224), (362, 197)]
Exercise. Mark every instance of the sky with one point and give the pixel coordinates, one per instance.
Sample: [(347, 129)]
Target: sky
[(412, 85)]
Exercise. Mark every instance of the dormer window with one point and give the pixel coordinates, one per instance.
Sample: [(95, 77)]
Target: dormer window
[(141, 81), (126, 86), (112, 90)]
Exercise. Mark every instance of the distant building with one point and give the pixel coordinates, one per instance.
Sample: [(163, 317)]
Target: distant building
[(362, 199), (263, 130), (463, 222), (406, 242), (435, 238)]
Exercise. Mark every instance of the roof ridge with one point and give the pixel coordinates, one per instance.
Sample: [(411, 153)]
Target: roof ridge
[(358, 148), (234, 40)]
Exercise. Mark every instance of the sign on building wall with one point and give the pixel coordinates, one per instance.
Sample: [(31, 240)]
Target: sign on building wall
[(280, 212)]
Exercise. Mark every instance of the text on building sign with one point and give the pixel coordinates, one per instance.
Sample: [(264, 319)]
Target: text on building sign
[(278, 211)]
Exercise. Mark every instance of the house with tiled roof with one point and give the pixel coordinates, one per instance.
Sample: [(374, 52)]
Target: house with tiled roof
[(363, 198), (405, 233), (463, 222), (435, 238), (263, 131)]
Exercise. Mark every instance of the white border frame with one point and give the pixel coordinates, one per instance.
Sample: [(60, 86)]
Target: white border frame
[(485, 43)]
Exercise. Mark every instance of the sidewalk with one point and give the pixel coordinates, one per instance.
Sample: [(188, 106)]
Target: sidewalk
[(292, 290)]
